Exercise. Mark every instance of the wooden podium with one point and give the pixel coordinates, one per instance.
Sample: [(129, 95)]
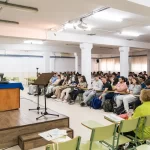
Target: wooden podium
[(9, 99)]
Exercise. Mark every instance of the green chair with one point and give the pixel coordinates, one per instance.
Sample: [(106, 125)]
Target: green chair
[(73, 144), (31, 80), (98, 135), (15, 79), (8, 78), (143, 147), (125, 126), (145, 122)]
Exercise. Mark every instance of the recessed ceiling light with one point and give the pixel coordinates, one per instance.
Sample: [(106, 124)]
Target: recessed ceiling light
[(141, 2), (33, 42), (127, 33)]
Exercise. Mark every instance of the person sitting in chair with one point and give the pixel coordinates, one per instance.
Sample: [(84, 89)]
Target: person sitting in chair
[(79, 89), (97, 85), (50, 87), (134, 89), (142, 111), (106, 87)]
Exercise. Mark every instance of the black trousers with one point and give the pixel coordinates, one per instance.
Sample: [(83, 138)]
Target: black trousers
[(75, 93), (137, 104)]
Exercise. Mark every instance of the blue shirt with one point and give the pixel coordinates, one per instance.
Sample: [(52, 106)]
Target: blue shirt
[(143, 85), (53, 79)]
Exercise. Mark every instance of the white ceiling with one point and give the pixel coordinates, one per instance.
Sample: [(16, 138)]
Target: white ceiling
[(55, 13)]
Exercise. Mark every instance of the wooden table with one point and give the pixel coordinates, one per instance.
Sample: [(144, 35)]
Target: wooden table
[(9, 99), (10, 96)]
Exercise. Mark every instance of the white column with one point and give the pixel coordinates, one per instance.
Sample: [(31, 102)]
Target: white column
[(46, 58), (79, 62), (86, 61), (76, 62), (124, 61), (148, 62), (52, 62)]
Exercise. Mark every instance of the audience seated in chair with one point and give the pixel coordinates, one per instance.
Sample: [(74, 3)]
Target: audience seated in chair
[(79, 89), (96, 85), (65, 96), (52, 86), (142, 111), (134, 89), (106, 87), (59, 89)]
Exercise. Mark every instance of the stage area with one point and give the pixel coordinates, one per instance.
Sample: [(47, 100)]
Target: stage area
[(75, 113), (19, 122)]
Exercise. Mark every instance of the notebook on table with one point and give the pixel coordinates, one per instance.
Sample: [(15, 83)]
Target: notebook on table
[(113, 118)]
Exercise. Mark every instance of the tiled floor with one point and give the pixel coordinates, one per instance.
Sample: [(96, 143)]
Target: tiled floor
[(76, 113)]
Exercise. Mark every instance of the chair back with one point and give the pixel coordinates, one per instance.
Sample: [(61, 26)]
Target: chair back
[(68, 145), (129, 125), (103, 133), (147, 121)]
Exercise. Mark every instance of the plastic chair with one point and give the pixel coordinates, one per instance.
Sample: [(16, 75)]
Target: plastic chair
[(8, 78), (143, 147), (145, 121), (31, 80), (15, 79), (73, 144), (98, 135), (125, 126)]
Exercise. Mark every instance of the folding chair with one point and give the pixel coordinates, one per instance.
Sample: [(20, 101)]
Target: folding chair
[(124, 127), (98, 135), (73, 144)]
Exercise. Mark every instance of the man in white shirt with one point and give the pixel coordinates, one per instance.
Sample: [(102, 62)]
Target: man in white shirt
[(97, 85)]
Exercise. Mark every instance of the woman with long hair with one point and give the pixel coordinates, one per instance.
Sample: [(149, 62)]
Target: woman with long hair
[(79, 89), (134, 89)]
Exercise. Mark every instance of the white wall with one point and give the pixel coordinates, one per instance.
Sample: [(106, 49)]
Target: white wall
[(64, 64), (24, 67)]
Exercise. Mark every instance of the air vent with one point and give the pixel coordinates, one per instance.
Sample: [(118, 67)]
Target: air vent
[(72, 44), (92, 34), (130, 39)]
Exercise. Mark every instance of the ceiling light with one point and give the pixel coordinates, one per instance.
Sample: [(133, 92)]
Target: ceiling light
[(33, 42), (20, 7), (141, 2), (127, 33), (107, 16)]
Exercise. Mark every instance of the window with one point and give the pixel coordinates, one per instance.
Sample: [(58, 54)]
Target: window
[(110, 64), (139, 64)]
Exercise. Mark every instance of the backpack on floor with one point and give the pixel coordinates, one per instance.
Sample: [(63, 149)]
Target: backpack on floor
[(108, 105), (95, 103), (119, 110)]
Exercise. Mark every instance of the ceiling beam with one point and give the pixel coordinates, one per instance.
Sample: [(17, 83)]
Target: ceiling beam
[(78, 38)]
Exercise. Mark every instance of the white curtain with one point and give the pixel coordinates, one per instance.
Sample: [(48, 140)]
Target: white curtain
[(139, 64), (95, 65), (110, 64)]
